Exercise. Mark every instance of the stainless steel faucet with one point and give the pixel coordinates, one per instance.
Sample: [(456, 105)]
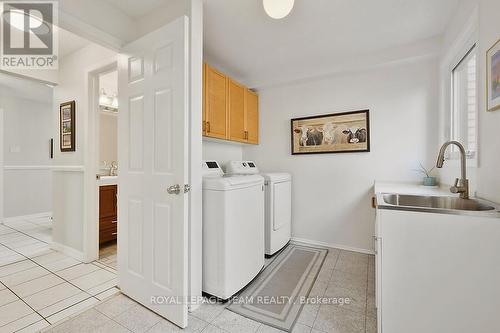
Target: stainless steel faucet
[(461, 185)]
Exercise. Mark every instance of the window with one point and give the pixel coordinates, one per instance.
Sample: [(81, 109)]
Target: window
[(464, 104)]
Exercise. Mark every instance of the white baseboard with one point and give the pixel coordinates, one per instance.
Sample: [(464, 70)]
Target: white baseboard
[(27, 217), (69, 251), (336, 246)]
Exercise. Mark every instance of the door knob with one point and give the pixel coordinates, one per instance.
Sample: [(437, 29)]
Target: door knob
[(174, 189)]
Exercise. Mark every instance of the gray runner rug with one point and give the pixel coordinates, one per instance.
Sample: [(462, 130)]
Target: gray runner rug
[(276, 296)]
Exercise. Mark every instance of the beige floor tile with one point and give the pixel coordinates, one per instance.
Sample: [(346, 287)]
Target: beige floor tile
[(107, 293), (349, 281), (59, 265), (164, 326), (357, 298), (24, 276), (268, 329), (102, 287), (301, 328), (308, 314), (213, 329), (324, 275), (63, 304), (14, 311), (72, 310), (353, 263), (138, 319), (17, 267), (89, 321), (207, 312), (318, 289), (7, 296), (32, 287), (35, 327), (21, 323), (48, 257), (232, 322), (93, 279), (371, 325), (111, 327), (115, 305), (336, 319), (371, 309), (77, 271), (51, 296)]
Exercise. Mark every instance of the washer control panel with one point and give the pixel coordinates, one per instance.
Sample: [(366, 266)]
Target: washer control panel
[(241, 168), (212, 169)]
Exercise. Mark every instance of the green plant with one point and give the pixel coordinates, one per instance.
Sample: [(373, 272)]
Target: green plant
[(423, 170)]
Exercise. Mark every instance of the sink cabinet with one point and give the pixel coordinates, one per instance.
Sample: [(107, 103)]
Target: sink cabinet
[(108, 213), (436, 272)]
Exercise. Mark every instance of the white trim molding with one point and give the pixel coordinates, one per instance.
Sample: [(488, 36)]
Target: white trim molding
[(335, 246), (27, 217), (78, 255), (27, 167)]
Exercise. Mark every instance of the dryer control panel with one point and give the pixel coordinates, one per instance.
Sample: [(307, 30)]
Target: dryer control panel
[(241, 168), (212, 169)]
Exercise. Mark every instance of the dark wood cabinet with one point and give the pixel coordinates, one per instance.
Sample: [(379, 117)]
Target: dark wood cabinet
[(108, 213)]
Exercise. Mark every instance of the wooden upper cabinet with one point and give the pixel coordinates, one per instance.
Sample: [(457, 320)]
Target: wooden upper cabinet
[(236, 94), (230, 110), (216, 103), (252, 116)]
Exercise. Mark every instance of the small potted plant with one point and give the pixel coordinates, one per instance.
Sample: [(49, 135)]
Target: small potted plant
[(429, 179)]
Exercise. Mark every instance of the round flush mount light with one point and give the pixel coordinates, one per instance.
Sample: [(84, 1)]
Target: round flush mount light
[(278, 9)]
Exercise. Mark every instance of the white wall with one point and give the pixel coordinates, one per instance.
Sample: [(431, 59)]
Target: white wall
[(108, 137), (332, 192), (485, 179), (489, 123), (69, 213), (26, 133), (221, 151)]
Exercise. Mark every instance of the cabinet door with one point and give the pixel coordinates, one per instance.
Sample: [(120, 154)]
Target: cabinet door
[(236, 95), (107, 202), (216, 107), (252, 116)]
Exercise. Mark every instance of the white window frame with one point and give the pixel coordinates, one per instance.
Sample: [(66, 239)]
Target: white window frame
[(453, 154), (452, 56)]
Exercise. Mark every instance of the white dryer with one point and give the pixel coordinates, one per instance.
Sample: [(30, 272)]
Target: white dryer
[(233, 230), (278, 204)]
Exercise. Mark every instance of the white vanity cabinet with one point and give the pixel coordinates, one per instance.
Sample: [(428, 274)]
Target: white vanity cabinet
[(437, 272)]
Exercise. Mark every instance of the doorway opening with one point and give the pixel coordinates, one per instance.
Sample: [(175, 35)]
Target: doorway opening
[(106, 153)]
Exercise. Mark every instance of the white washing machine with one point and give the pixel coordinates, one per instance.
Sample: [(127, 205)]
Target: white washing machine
[(278, 204), (233, 230)]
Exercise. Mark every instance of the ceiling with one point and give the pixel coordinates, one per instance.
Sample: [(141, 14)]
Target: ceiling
[(316, 37), (135, 9), (69, 42), (14, 86)]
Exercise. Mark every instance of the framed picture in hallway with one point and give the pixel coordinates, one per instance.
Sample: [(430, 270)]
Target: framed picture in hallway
[(493, 77), (67, 126), (345, 132)]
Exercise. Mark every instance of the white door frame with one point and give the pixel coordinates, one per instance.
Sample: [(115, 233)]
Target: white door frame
[(91, 186), (195, 12)]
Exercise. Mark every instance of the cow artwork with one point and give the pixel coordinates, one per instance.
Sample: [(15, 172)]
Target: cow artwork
[(332, 133)]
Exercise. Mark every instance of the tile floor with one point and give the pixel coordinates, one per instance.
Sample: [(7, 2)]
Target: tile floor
[(107, 255), (344, 274), (39, 286)]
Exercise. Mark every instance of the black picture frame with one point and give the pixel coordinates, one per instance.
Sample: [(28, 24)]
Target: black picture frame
[(67, 126), (334, 148)]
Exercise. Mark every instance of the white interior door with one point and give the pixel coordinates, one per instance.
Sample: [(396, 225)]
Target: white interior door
[(153, 155)]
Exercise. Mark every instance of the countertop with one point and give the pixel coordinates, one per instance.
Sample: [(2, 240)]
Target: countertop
[(410, 188), (107, 180)]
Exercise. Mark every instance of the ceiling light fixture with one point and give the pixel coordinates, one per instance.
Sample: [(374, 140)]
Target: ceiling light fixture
[(278, 9)]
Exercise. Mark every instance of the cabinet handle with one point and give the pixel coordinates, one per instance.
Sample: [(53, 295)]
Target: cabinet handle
[(246, 135), (114, 233), (204, 126), (374, 202), (208, 127), (113, 222)]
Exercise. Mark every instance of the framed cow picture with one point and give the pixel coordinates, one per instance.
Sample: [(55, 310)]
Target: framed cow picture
[(345, 132), (67, 126)]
